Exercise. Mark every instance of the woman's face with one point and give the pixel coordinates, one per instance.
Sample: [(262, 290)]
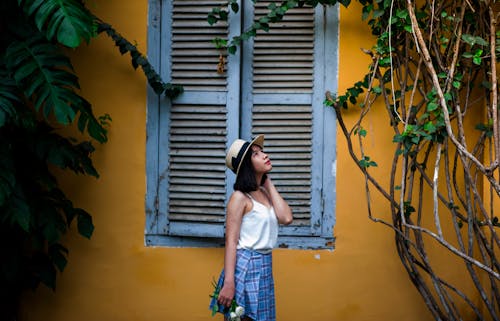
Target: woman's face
[(260, 161)]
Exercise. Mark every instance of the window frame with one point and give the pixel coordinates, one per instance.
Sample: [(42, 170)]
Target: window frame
[(157, 150)]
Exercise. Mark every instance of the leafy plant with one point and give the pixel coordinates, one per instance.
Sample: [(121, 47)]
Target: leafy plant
[(39, 95)]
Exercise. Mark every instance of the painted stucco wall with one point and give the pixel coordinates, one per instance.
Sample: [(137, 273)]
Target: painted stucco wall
[(115, 277)]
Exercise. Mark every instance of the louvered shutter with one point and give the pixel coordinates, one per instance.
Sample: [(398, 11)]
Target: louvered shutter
[(284, 98), (274, 84), (197, 127)]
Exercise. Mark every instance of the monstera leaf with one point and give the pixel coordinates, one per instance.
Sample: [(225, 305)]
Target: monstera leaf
[(46, 77), (8, 97), (68, 21)]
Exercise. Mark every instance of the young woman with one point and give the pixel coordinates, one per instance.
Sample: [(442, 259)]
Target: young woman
[(253, 213)]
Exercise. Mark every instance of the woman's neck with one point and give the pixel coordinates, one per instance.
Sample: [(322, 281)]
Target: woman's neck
[(258, 179)]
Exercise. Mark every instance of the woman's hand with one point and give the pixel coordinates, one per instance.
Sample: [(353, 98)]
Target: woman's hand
[(281, 207), (267, 183), (226, 295)]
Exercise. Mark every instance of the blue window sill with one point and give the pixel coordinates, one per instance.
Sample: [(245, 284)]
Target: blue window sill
[(288, 242)]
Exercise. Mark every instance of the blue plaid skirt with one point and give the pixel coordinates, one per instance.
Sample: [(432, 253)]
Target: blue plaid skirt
[(254, 286)]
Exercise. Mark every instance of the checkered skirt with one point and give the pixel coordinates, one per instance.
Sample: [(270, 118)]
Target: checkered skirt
[(254, 285)]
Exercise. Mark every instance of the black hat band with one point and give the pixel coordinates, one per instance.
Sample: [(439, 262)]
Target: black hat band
[(235, 161)]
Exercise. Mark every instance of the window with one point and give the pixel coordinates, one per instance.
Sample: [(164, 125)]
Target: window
[(274, 85)]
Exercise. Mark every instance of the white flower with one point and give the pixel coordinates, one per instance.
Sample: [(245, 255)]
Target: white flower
[(234, 317), (239, 311)]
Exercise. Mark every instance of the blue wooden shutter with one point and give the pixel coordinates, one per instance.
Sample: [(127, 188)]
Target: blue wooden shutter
[(195, 128), (281, 88), (283, 99)]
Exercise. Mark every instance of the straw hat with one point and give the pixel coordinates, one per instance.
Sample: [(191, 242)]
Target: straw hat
[(238, 150)]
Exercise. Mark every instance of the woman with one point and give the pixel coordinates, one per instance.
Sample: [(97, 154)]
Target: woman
[(253, 213)]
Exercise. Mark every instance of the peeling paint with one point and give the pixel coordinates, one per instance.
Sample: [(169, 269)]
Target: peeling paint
[(334, 168), (317, 256)]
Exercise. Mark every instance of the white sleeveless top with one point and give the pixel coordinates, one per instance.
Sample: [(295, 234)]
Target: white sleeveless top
[(259, 228)]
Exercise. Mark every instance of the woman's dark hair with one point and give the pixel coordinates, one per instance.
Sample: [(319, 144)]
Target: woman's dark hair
[(245, 181)]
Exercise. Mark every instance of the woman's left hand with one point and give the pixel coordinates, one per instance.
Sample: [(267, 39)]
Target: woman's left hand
[(281, 207)]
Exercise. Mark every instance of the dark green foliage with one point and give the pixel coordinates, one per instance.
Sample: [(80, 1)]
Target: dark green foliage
[(35, 212), (154, 80), (43, 74), (275, 14), (39, 95), (65, 21)]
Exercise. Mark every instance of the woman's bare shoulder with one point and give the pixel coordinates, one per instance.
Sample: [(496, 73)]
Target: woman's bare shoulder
[(238, 196), (239, 201)]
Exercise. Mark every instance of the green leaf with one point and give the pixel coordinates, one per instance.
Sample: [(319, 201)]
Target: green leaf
[(47, 273), (432, 106), (46, 77), (366, 162), (231, 49), (85, 225), (20, 211), (51, 232), (9, 97), (223, 15), (430, 127), (386, 61), (345, 3), (480, 41), (234, 6), (57, 254), (408, 209), (366, 11), (487, 85), (378, 13), (211, 19), (173, 91), (486, 128), (442, 75), (402, 14), (468, 39), (67, 21)]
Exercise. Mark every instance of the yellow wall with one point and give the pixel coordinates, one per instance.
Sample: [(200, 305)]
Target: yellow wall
[(114, 277)]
